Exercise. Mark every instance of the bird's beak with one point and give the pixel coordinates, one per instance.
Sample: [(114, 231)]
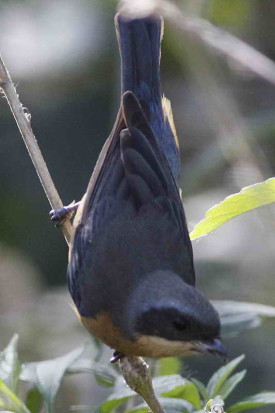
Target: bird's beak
[(214, 347)]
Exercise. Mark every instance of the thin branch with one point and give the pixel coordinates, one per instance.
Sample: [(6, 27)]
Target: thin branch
[(217, 38), (24, 125), (137, 375), (222, 41), (135, 370)]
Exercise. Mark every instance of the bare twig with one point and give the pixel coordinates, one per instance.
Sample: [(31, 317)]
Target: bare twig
[(218, 39), (137, 375), (135, 370), (24, 125), (222, 41)]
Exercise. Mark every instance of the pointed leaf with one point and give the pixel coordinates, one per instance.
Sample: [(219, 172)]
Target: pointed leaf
[(9, 401), (238, 316), (104, 374), (231, 383), (248, 198), (120, 396), (208, 405), (177, 387), (260, 399), (9, 364), (169, 405), (112, 403), (103, 379), (173, 386), (220, 376), (47, 375), (202, 389)]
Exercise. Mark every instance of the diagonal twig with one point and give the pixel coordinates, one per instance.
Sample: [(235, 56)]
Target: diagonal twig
[(137, 375), (24, 125), (134, 369), (222, 41), (207, 33)]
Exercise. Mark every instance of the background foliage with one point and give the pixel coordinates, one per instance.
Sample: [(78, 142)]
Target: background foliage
[(64, 59)]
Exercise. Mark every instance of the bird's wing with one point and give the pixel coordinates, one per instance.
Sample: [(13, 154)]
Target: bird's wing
[(132, 173)]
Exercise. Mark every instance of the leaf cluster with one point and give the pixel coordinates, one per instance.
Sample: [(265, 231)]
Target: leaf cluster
[(175, 393)]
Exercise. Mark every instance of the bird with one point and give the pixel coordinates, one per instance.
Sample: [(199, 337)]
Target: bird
[(131, 273)]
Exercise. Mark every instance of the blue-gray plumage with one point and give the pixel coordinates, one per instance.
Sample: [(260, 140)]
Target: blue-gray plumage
[(139, 42), (131, 272)]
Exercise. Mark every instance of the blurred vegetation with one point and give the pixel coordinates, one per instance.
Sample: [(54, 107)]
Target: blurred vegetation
[(41, 382), (64, 60)]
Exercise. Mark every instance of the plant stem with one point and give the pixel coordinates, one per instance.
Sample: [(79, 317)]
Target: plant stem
[(134, 369), (23, 120), (214, 37), (137, 375)]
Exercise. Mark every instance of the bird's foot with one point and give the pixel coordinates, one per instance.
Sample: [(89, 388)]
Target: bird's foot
[(59, 215), (117, 356)]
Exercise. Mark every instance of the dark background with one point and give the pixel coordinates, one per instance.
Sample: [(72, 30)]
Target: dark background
[(64, 60)]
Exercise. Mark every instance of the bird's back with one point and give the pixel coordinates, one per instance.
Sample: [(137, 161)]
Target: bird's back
[(133, 223)]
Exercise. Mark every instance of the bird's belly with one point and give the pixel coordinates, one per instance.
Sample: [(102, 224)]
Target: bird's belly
[(143, 345)]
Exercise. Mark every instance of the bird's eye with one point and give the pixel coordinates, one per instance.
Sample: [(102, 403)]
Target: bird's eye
[(179, 325)]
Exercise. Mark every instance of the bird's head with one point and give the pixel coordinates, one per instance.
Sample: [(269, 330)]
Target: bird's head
[(173, 318)]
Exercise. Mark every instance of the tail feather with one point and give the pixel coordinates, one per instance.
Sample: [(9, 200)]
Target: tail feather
[(140, 48), (168, 117), (139, 41)]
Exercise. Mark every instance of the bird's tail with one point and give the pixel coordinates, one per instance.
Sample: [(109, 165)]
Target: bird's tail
[(140, 48), (139, 41)]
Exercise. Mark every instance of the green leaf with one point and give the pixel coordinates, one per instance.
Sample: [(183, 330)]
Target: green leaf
[(109, 405), (231, 383), (202, 389), (169, 405), (121, 395), (220, 376), (248, 198), (95, 362), (169, 365), (9, 401), (212, 402), (34, 401), (260, 399), (103, 379), (104, 374), (9, 365), (47, 375), (175, 386), (238, 316), (208, 405)]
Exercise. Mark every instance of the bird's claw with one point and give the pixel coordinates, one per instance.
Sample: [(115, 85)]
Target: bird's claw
[(117, 356), (58, 215)]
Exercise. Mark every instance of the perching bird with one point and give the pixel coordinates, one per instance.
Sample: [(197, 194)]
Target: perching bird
[(131, 272)]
